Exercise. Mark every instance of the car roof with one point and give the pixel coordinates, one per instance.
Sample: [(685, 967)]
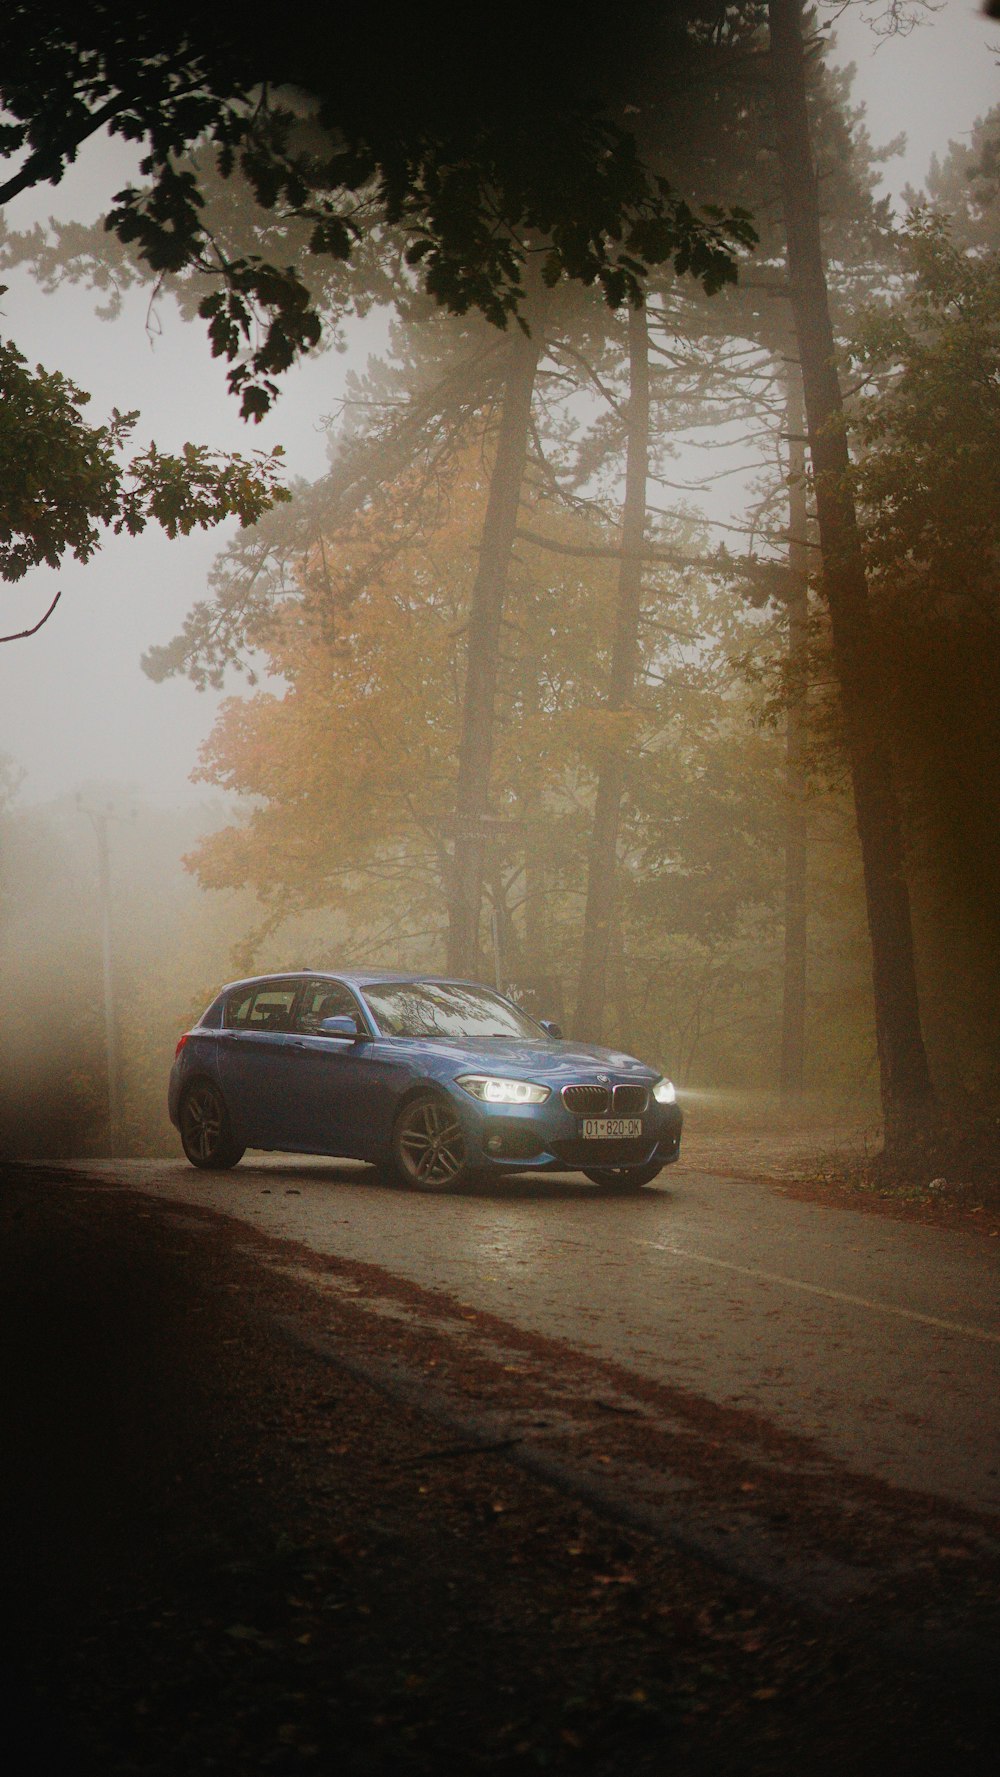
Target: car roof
[(359, 978)]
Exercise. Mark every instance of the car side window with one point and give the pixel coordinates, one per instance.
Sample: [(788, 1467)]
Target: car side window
[(263, 1008), (272, 1008), (324, 999), (238, 1010)]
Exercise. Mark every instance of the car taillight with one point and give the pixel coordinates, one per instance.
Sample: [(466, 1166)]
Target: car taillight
[(180, 1043)]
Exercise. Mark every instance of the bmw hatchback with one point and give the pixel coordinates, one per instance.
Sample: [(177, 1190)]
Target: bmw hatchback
[(442, 1082)]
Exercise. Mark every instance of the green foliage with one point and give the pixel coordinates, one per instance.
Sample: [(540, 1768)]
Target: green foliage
[(467, 171), (62, 479), (929, 434), (199, 488), (963, 189), (59, 477)]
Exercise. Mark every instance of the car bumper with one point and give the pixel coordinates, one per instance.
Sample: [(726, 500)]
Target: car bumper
[(174, 1095), (539, 1138)]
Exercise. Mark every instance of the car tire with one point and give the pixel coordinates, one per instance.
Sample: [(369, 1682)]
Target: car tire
[(206, 1132), (622, 1181), (429, 1148)]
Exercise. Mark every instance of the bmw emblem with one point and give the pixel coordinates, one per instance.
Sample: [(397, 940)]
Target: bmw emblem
[(604, 1079)]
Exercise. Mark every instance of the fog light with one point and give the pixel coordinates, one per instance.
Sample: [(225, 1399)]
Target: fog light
[(494, 1144)]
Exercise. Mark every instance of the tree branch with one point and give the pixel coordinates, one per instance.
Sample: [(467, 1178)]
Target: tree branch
[(41, 164), (20, 634), (50, 160), (651, 553)]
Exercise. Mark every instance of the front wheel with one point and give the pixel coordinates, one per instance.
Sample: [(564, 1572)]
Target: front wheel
[(429, 1149), (621, 1181), (206, 1133)]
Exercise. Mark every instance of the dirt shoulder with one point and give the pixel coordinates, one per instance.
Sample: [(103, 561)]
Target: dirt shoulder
[(225, 1552), (832, 1167)]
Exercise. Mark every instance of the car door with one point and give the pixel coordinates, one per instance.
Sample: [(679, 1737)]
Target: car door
[(331, 1074), (254, 1063)]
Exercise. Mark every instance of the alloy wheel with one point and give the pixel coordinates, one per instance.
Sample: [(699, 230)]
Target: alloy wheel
[(430, 1145), (205, 1132)]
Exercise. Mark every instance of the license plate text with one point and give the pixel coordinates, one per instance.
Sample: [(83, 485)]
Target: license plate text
[(611, 1128)]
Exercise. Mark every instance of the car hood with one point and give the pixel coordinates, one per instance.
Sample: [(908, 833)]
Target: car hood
[(531, 1058)]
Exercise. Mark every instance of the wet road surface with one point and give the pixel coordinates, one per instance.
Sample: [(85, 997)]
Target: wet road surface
[(878, 1339)]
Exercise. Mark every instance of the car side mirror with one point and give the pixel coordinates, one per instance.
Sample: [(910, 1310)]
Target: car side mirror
[(550, 1028), (344, 1025)]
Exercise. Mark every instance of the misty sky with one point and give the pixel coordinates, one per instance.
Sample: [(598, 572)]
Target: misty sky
[(75, 708)]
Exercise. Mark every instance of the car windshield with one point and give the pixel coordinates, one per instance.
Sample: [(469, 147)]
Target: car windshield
[(443, 1009)]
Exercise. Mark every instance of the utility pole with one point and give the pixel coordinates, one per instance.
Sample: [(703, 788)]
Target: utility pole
[(793, 998), (99, 818)]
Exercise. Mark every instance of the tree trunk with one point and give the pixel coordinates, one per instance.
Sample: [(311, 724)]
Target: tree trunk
[(793, 999), (535, 912), (485, 618), (904, 1075), (535, 891), (602, 859), (619, 987)]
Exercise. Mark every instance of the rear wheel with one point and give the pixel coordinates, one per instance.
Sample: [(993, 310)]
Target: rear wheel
[(429, 1149), (621, 1181), (206, 1132)]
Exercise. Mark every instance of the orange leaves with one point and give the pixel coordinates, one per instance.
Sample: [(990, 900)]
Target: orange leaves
[(350, 761), (593, 732)]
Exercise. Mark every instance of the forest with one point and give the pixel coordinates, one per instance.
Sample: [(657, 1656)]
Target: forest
[(703, 767)]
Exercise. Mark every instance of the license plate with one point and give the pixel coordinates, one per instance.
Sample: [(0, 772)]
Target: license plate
[(611, 1128)]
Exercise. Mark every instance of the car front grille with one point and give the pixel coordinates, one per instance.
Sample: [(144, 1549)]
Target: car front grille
[(605, 1101), (630, 1101), (587, 1101)]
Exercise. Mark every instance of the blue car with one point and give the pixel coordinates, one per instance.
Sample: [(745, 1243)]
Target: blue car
[(444, 1082)]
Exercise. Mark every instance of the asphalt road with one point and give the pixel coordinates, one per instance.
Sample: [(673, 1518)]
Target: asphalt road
[(878, 1339)]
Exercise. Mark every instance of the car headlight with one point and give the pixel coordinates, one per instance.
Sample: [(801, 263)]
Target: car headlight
[(497, 1091), (663, 1092)]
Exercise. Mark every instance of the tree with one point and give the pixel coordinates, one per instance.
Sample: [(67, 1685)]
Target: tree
[(904, 1070), (460, 142), (723, 363), (476, 191), (964, 187), (906, 1086), (347, 776), (60, 478), (321, 163), (928, 435), (371, 650), (740, 358), (400, 424), (602, 864), (486, 614)]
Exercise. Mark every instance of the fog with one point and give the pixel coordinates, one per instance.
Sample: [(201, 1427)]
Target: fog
[(62, 725), (79, 719)]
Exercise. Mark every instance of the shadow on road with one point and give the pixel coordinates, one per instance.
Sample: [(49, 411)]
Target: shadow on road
[(521, 1187)]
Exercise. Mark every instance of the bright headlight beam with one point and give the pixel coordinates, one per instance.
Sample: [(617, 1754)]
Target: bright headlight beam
[(491, 1089), (663, 1092)]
